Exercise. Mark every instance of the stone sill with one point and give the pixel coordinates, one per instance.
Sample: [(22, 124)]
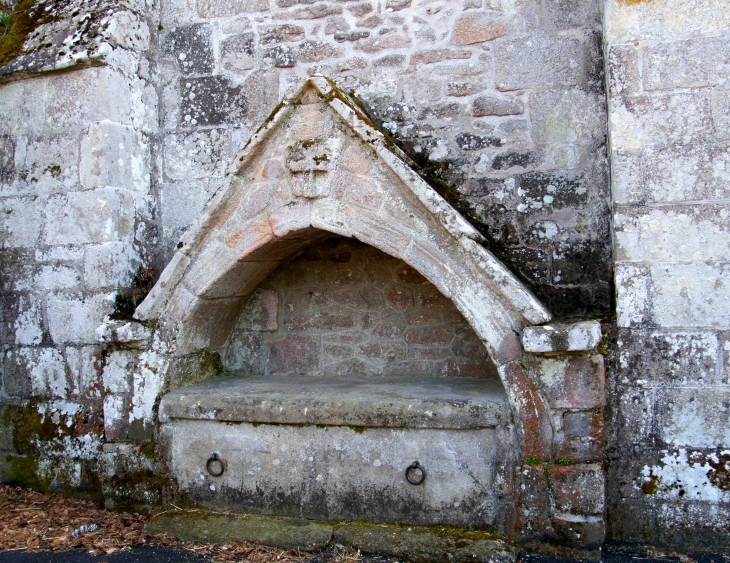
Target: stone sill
[(392, 402)]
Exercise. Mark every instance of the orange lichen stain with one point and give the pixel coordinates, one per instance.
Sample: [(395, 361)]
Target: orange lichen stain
[(633, 2)]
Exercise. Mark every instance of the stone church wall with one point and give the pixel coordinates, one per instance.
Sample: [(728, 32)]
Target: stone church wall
[(108, 153), (669, 431)]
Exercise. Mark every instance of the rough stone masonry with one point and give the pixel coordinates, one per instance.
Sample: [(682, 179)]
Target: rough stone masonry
[(118, 121)]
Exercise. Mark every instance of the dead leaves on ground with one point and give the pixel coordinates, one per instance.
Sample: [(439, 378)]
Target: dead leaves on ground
[(36, 522)]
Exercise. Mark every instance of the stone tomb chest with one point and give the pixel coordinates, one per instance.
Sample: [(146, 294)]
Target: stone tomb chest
[(357, 378)]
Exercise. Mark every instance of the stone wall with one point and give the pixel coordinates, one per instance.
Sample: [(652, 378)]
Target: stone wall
[(78, 235), (501, 103), (669, 435), (345, 308)]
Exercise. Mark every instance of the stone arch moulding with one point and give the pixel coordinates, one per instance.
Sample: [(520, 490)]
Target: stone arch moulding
[(317, 167), (278, 199)]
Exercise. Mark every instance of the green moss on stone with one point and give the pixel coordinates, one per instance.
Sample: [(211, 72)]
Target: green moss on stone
[(27, 16)]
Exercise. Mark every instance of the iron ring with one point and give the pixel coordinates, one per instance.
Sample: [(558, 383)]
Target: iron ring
[(211, 462), (411, 469)]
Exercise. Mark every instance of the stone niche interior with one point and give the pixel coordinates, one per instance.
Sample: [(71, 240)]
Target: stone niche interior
[(342, 307), (346, 367)]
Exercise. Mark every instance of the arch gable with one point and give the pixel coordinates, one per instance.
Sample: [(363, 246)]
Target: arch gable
[(318, 167)]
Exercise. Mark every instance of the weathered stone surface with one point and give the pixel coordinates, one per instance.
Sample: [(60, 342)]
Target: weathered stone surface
[(573, 382), (67, 217), (238, 53), (475, 27), (487, 105), (223, 8), (423, 402), (315, 470), (541, 61), (562, 338), (199, 526), (693, 417), (578, 489), (191, 48), (424, 545), (74, 318), (673, 65)]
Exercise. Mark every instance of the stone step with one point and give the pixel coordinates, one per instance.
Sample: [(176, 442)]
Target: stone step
[(208, 527), (415, 544), (427, 545)]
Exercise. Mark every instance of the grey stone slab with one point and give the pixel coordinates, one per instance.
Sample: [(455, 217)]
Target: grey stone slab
[(425, 546), (339, 472), (303, 535), (394, 402)]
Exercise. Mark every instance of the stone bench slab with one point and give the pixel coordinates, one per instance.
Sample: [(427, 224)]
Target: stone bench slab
[(400, 402)]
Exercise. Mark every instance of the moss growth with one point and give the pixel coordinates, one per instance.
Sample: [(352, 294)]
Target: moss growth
[(358, 429), (532, 460), (27, 16)]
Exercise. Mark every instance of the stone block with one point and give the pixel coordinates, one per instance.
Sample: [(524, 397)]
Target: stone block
[(623, 70), (382, 43), (313, 12), (21, 225), (84, 366), (633, 294), (312, 51), (238, 53), (674, 65), (583, 437), (696, 525), (423, 544), (488, 105), (664, 358), (541, 61), (437, 56), (245, 352), (57, 277), (289, 534), (693, 417), (477, 27), (116, 156), (191, 48), (562, 338), (680, 173), (27, 326), (560, 117), (569, 14), (575, 382), (67, 217), (260, 314), (534, 428), (48, 163), (74, 318), (124, 332), (115, 417), (293, 354), (22, 107), (111, 265), (285, 33), (585, 531), (534, 499), (672, 234), (74, 100), (227, 8), (632, 520), (117, 373), (197, 155), (38, 372), (687, 295), (578, 489), (654, 120), (633, 421)]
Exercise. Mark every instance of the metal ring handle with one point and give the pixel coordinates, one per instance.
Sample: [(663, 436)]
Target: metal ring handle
[(211, 462), (415, 468)]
